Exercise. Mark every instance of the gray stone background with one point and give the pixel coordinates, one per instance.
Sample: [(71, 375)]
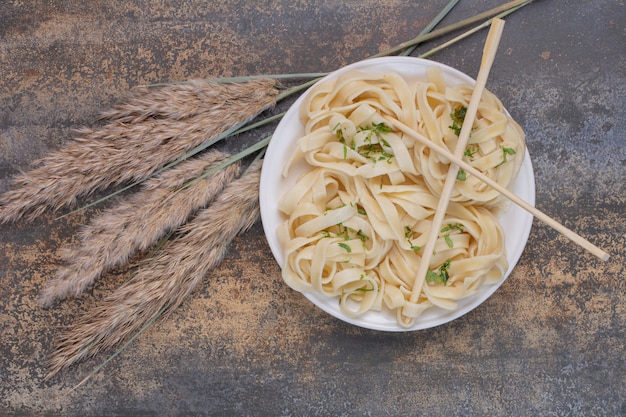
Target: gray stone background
[(550, 341)]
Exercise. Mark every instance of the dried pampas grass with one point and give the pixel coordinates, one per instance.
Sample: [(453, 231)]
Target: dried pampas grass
[(166, 279), (137, 223), (153, 128)]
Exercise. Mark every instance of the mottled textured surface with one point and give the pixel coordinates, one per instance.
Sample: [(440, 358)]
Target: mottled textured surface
[(549, 342)]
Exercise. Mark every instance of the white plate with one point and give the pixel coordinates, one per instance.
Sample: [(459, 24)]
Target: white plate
[(516, 221)]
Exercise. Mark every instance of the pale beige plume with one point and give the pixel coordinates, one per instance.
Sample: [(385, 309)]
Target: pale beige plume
[(138, 222)]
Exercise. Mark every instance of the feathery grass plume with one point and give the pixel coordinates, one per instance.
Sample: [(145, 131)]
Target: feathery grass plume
[(170, 101), (167, 278), (138, 222), (124, 150)]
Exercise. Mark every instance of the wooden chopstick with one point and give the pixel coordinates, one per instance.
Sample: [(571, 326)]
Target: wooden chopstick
[(502, 190), (489, 53)]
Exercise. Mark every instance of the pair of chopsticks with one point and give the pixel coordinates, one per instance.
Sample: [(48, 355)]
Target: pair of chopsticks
[(489, 52)]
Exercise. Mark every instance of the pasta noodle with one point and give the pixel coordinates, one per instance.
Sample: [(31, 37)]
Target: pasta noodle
[(356, 220)]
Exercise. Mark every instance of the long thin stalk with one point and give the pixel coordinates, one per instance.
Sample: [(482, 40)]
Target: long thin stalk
[(443, 13), (244, 78), (453, 27), (470, 32)]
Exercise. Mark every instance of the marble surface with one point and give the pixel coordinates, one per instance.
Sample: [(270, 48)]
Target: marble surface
[(550, 341)]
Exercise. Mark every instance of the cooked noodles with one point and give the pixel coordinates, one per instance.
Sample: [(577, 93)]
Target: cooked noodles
[(358, 218)]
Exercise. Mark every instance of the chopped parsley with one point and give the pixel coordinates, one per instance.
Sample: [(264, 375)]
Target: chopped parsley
[(345, 233), (450, 227), (408, 233), (470, 151), (440, 277), (458, 116), (345, 246), (381, 127), (372, 149), (505, 151), (365, 289), (362, 236), (341, 138), (339, 133)]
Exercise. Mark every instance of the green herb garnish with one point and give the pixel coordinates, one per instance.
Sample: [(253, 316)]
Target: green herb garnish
[(346, 247), (458, 116), (339, 134), (452, 226), (505, 151), (387, 156), (433, 277), (362, 236), (408, 233), (470, 151), (372, 151), (440, 277), (382, 128)]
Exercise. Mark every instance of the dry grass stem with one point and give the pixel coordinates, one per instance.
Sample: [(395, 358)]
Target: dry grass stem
[(154, 128), (166, 279), (138, 222)]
